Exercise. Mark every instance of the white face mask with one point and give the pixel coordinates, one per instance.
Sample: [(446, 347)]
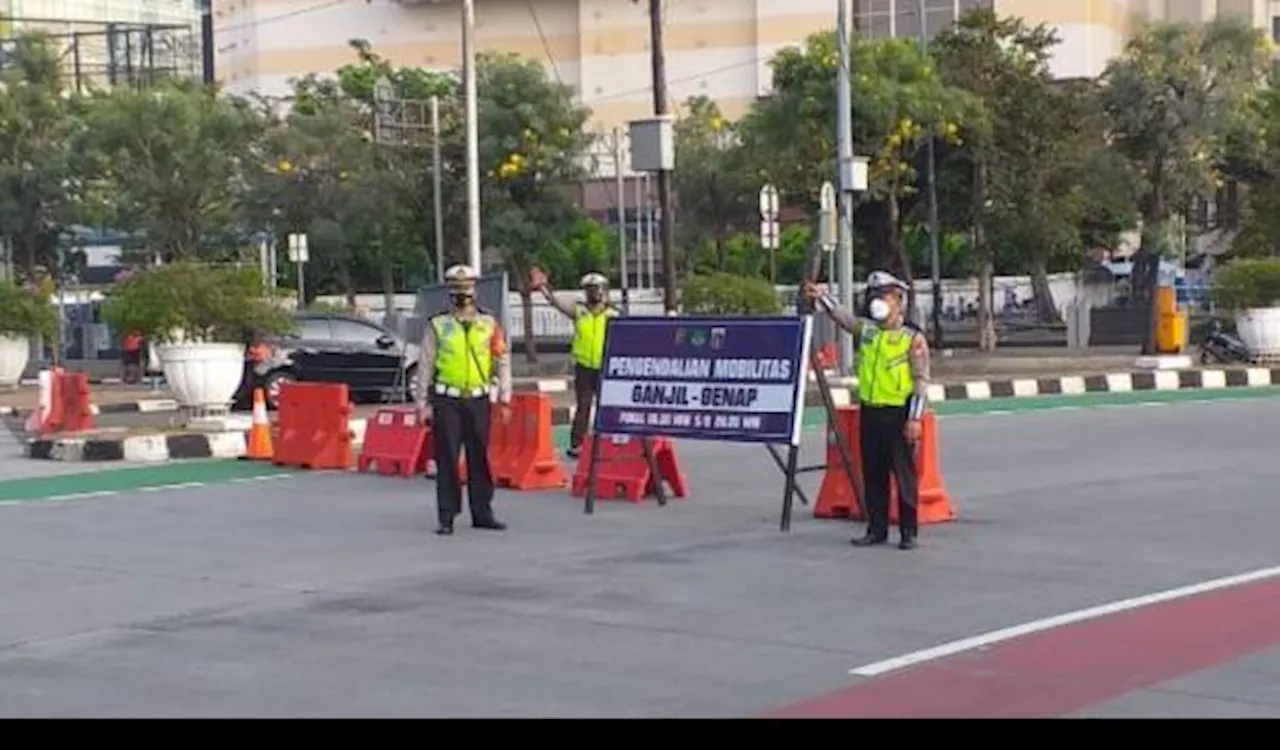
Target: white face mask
[(879, 309)]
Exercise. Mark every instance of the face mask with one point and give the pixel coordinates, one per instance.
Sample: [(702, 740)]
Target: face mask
[(879, 309)]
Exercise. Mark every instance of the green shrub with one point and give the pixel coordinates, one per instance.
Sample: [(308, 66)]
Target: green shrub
[(24, 313), (725, 294), (1248, 283), (197, 302)]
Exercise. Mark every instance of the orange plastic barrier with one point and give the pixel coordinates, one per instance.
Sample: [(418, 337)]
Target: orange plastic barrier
[(531, 463), (393, 442), (622, 471), (314, 431), (836, 498), (504, 446), (77, 409), (66, 407)]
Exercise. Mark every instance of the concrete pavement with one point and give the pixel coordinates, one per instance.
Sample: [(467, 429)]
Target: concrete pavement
[(328, 595)]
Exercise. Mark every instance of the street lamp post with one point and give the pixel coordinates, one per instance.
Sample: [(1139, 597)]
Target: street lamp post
[(931, 180), (473, 145)]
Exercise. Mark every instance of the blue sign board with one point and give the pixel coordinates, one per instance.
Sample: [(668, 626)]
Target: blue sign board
[(733, 379)]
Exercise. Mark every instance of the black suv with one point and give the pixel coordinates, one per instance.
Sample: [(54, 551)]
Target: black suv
[(373, 361)]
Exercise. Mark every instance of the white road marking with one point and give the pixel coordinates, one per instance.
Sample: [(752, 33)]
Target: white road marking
[(176, 486), (80, 495), (263, 478), (1036, 626)]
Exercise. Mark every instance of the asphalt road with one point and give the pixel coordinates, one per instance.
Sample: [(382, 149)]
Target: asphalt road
[(328, 595)]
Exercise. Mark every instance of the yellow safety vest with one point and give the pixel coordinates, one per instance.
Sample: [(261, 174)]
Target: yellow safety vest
[(464, 357), (588, 336), (884, 366)]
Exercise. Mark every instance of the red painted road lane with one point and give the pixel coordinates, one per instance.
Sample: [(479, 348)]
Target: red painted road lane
[(1059, 671)]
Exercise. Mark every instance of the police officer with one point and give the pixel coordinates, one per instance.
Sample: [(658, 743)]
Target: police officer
[(893, 381), (589, 323), (463, 351)]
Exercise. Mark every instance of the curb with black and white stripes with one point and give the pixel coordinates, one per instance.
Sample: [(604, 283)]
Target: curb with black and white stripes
[(1118, 382), (145, 406), (140, 448), (231, 441)]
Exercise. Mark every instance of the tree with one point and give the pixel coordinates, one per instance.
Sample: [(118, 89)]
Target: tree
[(1045, 169), (167, 162), (1259, 234), (899, 100), (309, 175), (402, 178), (39, 184), (1016, 152), (532, 142), (1172, 99), (714, 191)]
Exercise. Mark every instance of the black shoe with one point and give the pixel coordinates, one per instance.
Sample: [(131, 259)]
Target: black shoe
[(445, 529), (490, 525), (868, 540), (908, 541)]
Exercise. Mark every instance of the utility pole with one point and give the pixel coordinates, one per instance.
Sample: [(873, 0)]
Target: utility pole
[(844, 146), (931, 179), (620, 182), (664, 176), (473, 139)]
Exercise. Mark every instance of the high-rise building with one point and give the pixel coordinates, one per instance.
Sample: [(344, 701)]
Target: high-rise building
[(110, 42), (719, 48), (1090, 32)]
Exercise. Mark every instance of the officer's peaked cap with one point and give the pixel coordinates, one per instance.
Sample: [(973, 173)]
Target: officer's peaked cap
[(884, 279), (594, 279), (460, 272)]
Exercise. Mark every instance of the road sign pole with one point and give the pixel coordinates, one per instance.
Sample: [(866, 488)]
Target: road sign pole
[(769, 206)]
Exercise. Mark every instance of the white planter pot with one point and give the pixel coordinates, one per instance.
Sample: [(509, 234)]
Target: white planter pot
[(1259, 329), (14, 353), (202, 376)]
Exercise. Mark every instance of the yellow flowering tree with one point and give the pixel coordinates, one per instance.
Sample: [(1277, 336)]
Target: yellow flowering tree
[(899, 102), (715, 190)]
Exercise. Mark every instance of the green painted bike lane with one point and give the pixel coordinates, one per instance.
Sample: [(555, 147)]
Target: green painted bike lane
[(206, 472)]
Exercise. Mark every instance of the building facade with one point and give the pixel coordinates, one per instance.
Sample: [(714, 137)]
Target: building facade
[(718, 48), (109, 42)]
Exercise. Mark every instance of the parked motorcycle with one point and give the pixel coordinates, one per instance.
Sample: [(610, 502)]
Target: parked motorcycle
[(1223, 348)]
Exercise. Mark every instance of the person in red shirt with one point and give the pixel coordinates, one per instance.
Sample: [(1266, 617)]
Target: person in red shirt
[(131, 357)]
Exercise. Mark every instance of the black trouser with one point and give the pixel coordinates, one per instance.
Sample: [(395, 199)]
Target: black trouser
[(586, 384), (457, 423), (885, 450)]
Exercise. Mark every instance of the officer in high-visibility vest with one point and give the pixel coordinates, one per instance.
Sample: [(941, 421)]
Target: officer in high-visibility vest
[(893, 383), (589, 322), (464, 350)]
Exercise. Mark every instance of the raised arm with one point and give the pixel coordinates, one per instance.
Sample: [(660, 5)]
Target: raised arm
[(849, 322), (538, 280), (565, 308)]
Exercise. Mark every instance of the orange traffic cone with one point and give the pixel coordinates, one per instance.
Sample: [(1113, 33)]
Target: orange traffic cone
[(259, 447)]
